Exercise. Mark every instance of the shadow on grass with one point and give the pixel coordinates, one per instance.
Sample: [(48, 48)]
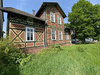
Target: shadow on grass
[(83, 43), (9, 69)]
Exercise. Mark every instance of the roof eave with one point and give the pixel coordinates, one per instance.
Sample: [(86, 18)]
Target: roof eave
[(8, 11), (38, 12)]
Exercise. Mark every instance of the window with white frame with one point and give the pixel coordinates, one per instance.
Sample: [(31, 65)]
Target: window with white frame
[(59, 19), (29, 34), (67, 36), (60, 35), (53, 34), (52, 16)]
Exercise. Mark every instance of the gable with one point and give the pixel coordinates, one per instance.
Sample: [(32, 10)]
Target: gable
[(55, 4), (53, 9)]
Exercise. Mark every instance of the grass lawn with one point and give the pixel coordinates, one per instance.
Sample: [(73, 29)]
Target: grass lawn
[(72, 60)]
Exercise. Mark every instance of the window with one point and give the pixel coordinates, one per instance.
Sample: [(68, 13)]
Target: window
[(53, 34), (29, 34), (52, 16), (60, 35), (59, 19), (29, 20), (67, 36)]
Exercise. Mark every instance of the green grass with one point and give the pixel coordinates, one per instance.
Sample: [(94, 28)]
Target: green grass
[(72, 60)]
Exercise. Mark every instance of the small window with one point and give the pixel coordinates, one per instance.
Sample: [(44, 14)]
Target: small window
[(67, 36), (59, 19), (53, 34), (60, 35), (29, 20), (52, 16), (29, 34)]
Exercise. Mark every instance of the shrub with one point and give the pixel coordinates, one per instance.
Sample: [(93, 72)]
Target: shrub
[(10, 53), (23, 61)]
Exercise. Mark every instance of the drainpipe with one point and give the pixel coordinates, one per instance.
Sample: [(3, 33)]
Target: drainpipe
[(45, 38), (44, 35)]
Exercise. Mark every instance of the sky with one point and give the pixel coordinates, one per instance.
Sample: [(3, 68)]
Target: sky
[(29, 5)]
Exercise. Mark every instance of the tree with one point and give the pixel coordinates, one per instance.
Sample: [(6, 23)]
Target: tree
[(67, 24), (96, 21), (81, 20)]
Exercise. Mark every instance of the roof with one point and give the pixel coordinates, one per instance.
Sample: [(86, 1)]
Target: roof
[(13, 10), (50, 3)]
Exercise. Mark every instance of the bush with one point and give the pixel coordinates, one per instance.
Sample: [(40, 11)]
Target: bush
[(11, 56), (10, 53)]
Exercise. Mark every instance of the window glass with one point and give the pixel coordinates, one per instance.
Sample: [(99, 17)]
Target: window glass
[(52, 15), (27, 29), (29, 34), (31, 30), (60, 35), (53, 35), (59, 19)]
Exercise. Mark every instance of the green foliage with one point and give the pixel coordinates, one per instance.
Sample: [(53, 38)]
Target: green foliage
[(23, 61), (96, 20), (84, 19), (11, 57), (9, 53), (67, 24)]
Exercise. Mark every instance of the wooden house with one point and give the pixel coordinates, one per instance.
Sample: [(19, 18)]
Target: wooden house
[(44, 29)]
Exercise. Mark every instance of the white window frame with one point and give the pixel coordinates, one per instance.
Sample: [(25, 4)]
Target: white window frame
[(51, 13), (61, 36), (67, 36), (30, 33), (59, 20), (52, 33)]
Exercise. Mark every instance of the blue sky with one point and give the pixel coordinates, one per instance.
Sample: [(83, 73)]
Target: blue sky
[(29, 5)]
